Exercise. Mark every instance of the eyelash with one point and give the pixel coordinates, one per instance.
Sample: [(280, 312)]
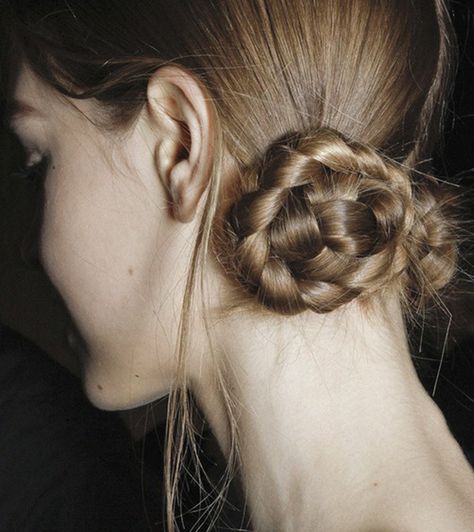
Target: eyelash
[(33, 172)]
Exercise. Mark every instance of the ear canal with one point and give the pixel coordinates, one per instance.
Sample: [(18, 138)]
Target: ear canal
[(173, 167), (167, 155), (183, 204)]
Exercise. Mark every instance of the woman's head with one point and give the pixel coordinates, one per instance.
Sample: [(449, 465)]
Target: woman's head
[(116, 228), (278, 139)]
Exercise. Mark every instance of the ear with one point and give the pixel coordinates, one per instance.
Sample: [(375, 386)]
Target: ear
[(181, 114)]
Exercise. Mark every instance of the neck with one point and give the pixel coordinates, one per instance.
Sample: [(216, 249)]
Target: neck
[(330, 411)]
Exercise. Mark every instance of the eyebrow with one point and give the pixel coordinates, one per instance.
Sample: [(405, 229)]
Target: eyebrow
[(16, 109)]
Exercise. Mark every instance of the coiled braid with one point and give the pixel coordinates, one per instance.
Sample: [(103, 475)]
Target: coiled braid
[(323, 219)]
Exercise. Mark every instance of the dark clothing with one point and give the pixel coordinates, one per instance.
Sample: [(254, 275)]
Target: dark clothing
[(65, 466)]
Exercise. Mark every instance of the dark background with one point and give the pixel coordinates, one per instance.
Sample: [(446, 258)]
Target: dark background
[(455, 384)]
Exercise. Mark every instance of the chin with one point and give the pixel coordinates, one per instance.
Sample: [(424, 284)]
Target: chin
[(105, 394)]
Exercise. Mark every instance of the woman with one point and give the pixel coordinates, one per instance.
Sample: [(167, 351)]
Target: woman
[(238, 206)]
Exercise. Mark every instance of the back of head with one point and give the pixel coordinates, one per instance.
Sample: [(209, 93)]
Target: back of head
[(374, 71)]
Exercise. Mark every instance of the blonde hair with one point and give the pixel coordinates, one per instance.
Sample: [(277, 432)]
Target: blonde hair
[(323, 219), (331, 110)]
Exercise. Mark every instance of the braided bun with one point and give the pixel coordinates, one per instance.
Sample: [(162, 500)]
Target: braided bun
[(322, 220)]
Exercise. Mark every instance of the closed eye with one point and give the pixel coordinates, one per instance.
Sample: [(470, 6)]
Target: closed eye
[(33, 173)]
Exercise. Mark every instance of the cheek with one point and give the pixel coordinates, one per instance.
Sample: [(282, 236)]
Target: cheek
[(109, 251), (86, 247)]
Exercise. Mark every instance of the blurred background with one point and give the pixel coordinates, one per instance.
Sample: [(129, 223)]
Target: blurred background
[(443, 348)]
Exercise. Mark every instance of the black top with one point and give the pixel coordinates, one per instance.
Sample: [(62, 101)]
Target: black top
[(65, 466)]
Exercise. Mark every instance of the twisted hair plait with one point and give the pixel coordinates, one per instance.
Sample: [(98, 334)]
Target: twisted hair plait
[(324, 219)]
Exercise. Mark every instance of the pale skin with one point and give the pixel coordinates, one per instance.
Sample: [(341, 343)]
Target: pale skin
[(336, 431)]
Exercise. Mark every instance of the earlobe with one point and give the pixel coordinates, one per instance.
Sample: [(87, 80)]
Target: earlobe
[(181, 115)]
